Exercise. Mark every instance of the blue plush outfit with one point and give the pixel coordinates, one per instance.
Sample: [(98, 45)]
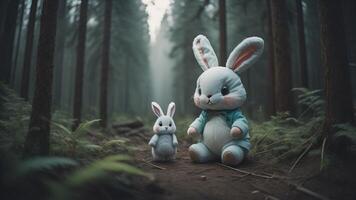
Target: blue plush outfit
[(234, 118)]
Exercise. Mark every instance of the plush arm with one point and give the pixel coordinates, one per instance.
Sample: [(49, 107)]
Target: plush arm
[(199, 123), (175, 141), (153, 140), (239, 126)]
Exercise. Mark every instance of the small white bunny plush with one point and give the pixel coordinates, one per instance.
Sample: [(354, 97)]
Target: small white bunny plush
[(164, 143), (220, 93)]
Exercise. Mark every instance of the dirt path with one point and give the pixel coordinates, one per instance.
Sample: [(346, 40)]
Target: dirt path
[(184, 180)]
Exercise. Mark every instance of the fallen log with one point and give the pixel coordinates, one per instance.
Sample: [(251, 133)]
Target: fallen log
[(133, 124), (122, 130)]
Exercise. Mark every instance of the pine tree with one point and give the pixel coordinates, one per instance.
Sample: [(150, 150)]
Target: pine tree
[(79, 74), (25, 79), (7, 37), (339, 107), (37, 139), (105, 63), (282, 56)]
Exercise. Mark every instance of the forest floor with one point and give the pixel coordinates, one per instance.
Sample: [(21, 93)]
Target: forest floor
[(254, 179)]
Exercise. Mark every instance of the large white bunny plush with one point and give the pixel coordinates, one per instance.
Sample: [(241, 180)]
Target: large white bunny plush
[(164, 142), (220, 94)]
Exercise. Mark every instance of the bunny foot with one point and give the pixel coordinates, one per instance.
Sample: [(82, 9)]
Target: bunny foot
[(199, 153), (232, 155)]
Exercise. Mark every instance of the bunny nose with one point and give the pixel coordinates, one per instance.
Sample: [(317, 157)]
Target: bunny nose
[(166, 128), (209, 95)]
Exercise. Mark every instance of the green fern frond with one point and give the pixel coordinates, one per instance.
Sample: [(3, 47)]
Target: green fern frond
[(100, 169), (83, 127), (114, 142), (44, 164), (65, 129)]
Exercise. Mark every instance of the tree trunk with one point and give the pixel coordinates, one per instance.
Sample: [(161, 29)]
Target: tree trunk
[(339, 107), (79, 74), (25, 80), (302, 48), (18, 40), (37, 140), (127, 87), (59, 53), (271, 110), (105, 63), (222, 30), (3, 12), (7, 40), (282, 57)]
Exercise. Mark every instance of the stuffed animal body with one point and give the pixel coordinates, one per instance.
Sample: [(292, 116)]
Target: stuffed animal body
[(216, 134), (220, 94), (164, 142)]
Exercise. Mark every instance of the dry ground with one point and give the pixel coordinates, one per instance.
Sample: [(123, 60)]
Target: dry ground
[(184, 180)]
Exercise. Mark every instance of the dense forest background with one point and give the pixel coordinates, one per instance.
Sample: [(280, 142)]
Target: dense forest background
[(68, 64), (133, 80)]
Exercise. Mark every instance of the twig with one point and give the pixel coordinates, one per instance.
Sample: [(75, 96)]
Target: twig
[(267, 194), (300, 157), (281, 177), (246, 172), (262, 152), (309, 192), (298, 146), (153, 165), (322, 154)]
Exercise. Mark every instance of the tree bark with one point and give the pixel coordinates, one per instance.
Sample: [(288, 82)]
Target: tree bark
[(25, 80), (339, 108), (105, 63), (282, 57), (222, 30), (7, 40), (302, 48), (271, 110), (37, 139), (18, 42), (79, 74), (59, 53), (3, 12)]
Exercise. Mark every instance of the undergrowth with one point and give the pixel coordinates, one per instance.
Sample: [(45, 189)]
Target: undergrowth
[(64, 178), (284, 136), (81, 160), (14, 119)]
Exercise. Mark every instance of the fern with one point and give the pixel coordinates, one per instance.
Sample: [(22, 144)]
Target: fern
[(312, 100), (14, 119), (284, 136), (73, 138), (101, 169), (44, 164)]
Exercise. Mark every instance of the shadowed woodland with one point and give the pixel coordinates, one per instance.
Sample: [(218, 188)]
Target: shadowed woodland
[(77, 79)]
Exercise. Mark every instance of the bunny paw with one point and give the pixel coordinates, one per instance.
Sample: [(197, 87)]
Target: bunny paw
[(236, 132), (191, 131)]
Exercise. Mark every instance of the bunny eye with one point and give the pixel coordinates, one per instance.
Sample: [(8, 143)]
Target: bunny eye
[(199, 91), (224, 90), (170, 124), (160, 124)]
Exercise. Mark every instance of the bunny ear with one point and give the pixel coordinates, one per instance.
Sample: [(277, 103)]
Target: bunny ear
[(171, 109), (204, 52), (156, 109), (245, 54)]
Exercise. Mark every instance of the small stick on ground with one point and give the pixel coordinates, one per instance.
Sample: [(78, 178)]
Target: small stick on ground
[(300, 157), (153, 165), (246, 172), (322, 154), (309, 192), (267, 194)]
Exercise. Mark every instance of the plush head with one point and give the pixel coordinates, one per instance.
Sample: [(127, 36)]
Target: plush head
[(164, 123), (220, 88)]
